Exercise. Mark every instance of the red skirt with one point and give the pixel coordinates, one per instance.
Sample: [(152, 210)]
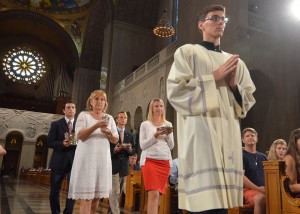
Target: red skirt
[(156, 174)]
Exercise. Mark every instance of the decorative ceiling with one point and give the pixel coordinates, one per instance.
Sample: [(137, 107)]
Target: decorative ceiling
[(74, 33), (83, 20), (71, 15), (143, 13), (27, 24), (51, 6)]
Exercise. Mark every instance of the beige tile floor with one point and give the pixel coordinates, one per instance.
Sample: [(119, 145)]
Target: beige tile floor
[(20, 196)]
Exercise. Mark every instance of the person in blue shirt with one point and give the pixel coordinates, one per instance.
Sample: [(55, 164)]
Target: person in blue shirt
[(253, 180), (133, 162)]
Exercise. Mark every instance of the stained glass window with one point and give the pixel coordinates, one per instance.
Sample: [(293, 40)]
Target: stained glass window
[(23, 65)]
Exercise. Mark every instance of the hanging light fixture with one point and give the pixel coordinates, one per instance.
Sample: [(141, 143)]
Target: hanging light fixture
[(163, 28)]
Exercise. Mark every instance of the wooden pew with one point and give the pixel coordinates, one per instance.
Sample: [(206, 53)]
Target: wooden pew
[(143, 198), (246, 209), (165, 202), (272, 185), (289, 203), (128, 184), (278, 196), (64, 185), (133, 189), (45, 177), (38, 177), (168, 203)]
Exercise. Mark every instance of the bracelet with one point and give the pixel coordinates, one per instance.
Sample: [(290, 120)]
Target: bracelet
[(109, 135)]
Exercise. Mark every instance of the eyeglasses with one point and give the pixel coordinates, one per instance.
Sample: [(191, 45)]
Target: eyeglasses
[(216, 18)]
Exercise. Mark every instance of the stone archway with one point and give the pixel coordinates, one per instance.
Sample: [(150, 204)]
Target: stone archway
[(128, 126), (13, 146), (41, 152), (162, 88), (138, 118)]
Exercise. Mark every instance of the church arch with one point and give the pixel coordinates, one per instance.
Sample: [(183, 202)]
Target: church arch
[(41, 152), (13, 147)]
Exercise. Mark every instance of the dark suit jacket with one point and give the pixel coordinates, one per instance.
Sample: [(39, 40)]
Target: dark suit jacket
[(120, 160), (61, 156)]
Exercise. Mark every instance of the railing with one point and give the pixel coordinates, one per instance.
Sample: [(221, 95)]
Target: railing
[(147, 68)]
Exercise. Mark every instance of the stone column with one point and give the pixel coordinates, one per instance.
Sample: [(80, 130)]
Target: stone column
[(85, 81)]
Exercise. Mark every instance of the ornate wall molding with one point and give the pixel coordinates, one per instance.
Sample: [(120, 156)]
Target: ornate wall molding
[(30, 124)]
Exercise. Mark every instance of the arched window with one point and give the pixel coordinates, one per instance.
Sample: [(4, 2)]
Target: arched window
[(23, 65)]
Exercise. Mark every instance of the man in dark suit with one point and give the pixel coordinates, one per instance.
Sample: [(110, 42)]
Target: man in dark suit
[(62, 156), (120, 162)]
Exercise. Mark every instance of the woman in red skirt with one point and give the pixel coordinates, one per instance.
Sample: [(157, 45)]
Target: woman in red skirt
[(156, 141)]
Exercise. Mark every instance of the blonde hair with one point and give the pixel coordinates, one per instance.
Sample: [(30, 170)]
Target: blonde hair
[(272, 152), (95, 94), (150, 113)]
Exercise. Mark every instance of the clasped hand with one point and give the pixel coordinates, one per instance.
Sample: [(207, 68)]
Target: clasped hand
[(118, 148), (67, 142), (102, 124), (227, 71)]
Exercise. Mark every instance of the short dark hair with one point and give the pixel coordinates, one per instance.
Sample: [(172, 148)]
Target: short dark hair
[(214, 7), (248, 130), (67, 102), (121, 112)]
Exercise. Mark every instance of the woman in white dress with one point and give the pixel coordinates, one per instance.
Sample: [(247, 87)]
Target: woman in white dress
[(91, 175)]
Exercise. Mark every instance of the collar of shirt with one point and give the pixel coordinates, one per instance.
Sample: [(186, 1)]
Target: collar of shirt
[(67, 120), (211, 46), (119, 129)]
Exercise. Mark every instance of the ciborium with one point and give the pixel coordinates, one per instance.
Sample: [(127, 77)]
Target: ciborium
[(71, 137)]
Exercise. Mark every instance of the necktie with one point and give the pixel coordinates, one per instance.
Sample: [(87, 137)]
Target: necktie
[(70, 126), (121, 135)]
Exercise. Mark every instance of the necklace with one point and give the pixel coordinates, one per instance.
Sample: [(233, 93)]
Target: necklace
[(255, 159)]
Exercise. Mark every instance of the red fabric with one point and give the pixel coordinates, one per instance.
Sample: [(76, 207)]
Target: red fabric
[(156, 174), (249, 196)]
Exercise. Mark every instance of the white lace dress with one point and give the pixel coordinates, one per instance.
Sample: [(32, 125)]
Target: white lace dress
[(91, 175)]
